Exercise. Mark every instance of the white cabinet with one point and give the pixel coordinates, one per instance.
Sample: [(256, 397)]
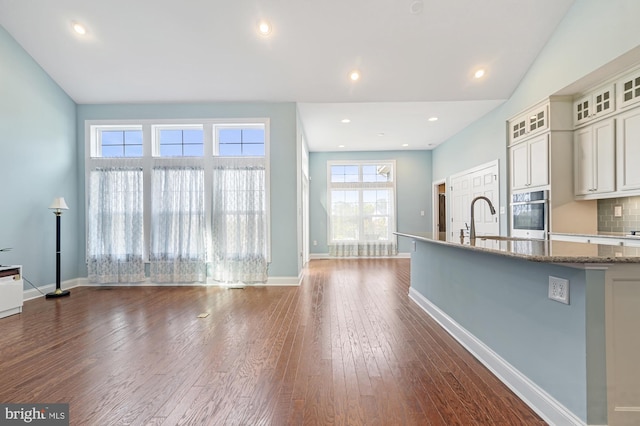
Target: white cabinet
[(628, 89), (533, 121), (594, 105), (595, 159), (628, 150), (530, 163), (10, 290)]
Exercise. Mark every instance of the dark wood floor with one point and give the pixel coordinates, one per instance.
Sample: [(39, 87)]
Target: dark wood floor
[(348, 347)]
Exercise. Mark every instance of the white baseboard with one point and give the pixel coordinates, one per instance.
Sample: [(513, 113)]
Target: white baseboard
[(324, 256), (32, 293), (547, 407)]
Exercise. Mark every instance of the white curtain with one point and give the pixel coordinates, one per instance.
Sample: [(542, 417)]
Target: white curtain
[(239, 221), (178, 225), (115, 234)]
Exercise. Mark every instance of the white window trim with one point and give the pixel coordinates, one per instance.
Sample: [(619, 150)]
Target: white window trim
[(331, 185), (147, 161)]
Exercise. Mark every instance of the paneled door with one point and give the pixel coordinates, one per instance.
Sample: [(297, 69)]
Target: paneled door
[(481, 180)]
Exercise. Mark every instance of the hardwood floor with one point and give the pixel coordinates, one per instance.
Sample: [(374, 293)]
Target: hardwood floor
[(347, 347)]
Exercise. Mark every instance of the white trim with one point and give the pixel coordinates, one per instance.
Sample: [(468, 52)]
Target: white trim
[(547, 407), (32, 293), (324, 256)]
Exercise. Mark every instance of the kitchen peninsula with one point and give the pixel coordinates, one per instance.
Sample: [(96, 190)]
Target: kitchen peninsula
[(573, 363)]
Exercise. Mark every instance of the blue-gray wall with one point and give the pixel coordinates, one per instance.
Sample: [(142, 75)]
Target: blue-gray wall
[(39, 163), (593, 33), (284, 262), (503, 302), (413, 192)]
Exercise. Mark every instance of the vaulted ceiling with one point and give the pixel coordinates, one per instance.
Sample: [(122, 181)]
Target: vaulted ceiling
[(416, 58)]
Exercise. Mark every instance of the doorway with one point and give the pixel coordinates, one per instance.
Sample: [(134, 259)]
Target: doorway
[(440, 210)]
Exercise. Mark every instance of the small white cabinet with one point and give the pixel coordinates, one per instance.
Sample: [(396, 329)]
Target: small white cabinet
[(628, 150), (594, 105), (628, 88), (533, 121), (530, 163), (10, 290), (595, 159)]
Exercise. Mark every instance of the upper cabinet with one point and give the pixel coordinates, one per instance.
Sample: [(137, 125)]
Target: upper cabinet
[(628, 88), (547, 115), (595, 159), (530, 123), (530, 163), (596, 104), (628, 151)]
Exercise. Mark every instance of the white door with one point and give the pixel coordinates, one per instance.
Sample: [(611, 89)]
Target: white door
[(482, 180)]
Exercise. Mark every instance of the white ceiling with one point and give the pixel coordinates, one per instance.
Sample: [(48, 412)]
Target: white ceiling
[(413, 65)]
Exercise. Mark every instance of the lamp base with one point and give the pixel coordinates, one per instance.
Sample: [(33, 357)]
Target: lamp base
[(58, 293)]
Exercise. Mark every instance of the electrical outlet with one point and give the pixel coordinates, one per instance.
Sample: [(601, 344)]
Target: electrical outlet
[(559, 289)]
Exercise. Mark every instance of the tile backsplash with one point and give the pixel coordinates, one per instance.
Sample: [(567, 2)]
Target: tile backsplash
[(630, 219)]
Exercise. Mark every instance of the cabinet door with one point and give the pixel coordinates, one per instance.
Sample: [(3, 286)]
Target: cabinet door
[(539, 161), (538, 119), (583, 161), (517, 128), (604, 149), (603, 101), (520, 166), (581, 110), (628, 89), (628, 149)]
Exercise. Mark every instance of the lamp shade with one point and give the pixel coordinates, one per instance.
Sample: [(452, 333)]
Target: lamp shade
[(59, 204)]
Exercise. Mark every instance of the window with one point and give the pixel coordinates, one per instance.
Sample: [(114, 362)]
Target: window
[(362, 208), (117, 142), (191, 176), (183, 141), (240, 141)]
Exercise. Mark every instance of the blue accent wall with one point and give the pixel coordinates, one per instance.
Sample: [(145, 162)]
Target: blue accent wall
[(39, 163), (503, 302), (284, 248), (413, 192)]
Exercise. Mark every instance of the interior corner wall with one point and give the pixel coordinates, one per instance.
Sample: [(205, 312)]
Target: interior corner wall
[(413, 193), (39, 163), (283, 164), (592, 33)]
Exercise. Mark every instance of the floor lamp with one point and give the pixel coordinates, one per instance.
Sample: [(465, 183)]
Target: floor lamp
[(57, 206)]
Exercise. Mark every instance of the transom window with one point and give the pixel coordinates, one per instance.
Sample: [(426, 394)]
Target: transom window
[(179, 141), (118, 143), (245, 141)]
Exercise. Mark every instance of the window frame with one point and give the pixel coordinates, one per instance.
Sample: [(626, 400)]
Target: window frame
[(361, 186), (150, 145)]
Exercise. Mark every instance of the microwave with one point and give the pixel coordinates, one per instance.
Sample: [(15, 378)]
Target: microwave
[(530, 214)]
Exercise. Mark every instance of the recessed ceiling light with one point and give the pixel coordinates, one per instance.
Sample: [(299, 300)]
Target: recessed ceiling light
[(479, 73), (264, 28), (78, 28), (433, 118), (380, 134), (354, 75), (405, 144), (346, 120), (340, 146)]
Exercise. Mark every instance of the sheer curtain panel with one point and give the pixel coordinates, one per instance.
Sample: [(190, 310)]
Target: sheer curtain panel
[(178, 225), (239, 218), (115, 233)]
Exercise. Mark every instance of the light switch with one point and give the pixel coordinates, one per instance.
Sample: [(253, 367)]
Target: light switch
[(617, 211)]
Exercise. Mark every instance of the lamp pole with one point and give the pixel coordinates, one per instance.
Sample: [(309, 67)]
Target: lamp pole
[(57, 207)]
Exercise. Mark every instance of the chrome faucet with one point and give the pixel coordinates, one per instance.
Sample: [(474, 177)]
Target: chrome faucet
[(472, 232)]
